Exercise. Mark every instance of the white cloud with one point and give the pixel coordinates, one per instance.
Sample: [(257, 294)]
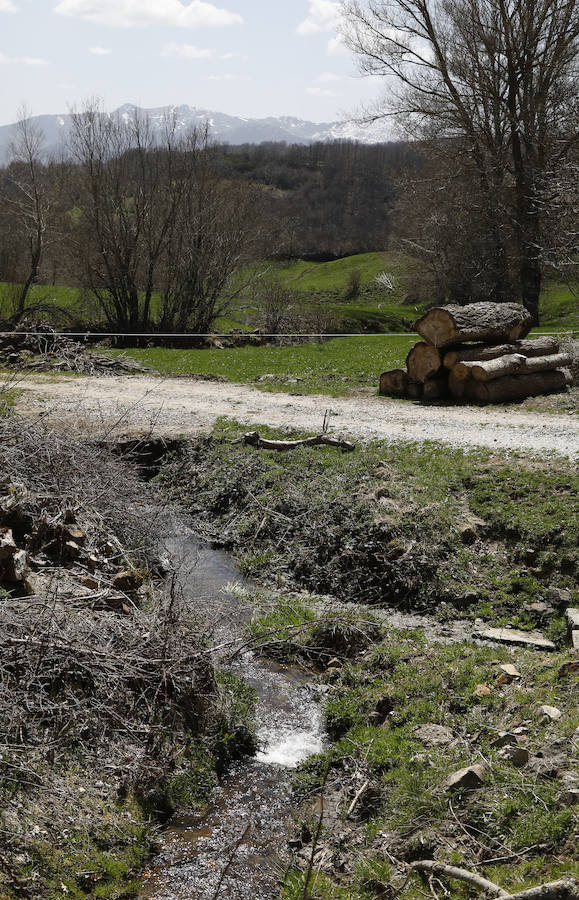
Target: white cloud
[(131, 13), (6, 6), (99, 51), (21, 60), (337, 47), (322, 16), (186, 51), (328, 77), (228, 76), (319, 92)]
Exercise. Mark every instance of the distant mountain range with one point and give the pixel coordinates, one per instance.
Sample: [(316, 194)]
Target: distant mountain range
[(223, 128)]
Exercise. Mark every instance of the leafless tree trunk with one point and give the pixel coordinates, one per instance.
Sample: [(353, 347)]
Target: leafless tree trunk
[(495, 77), (28, 199)]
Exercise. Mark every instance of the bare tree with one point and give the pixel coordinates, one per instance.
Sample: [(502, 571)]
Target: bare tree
[(494, 79), (219, 223), (128, 208), (28, 204)]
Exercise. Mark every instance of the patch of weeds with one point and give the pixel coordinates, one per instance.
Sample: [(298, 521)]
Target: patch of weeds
[(407, 814), (309, 630), (235, 733), (385, 525)]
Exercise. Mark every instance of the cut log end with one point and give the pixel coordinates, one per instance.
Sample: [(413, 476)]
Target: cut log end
[(394, 383), (490, 322), (423, 362)]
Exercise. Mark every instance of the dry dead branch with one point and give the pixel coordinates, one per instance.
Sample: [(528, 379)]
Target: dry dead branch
[(563, 889), (254, 439)]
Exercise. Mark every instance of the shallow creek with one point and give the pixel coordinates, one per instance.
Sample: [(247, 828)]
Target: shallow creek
[(234, 843), (252, 805)]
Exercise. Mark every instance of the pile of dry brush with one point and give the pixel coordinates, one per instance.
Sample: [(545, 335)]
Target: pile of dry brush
[(39, 347), (110, 691)]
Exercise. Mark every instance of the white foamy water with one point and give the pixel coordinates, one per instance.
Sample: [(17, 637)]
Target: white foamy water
[(291, 747)]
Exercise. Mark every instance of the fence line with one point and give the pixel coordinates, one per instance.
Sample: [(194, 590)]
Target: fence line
[(236, 334)]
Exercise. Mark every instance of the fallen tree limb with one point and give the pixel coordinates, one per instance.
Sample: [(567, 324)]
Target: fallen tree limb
[(564, 889), (254, 439), (438, 868)]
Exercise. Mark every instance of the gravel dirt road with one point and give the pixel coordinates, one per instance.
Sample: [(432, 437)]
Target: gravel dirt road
[(130, 405)]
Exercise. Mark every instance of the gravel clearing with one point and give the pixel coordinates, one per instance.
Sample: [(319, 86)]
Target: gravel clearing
[(171, 407)]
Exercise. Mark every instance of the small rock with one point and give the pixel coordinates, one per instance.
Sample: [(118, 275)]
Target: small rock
[(468, 534), (559, 596), (510, 670), (575, 639), (128, 580), (504, 739), (572, 616), (568, 798), (92, 562), (88, 582), (517, 755), (540, 609), (71, 550), (434, 735), (530, 555), (512, 636), (469, 778), (549, 713), (482, 690), (16, 566), (7, 545), (569, 668)]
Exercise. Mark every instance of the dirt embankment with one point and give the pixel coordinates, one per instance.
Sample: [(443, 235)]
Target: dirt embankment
[(133, 405)]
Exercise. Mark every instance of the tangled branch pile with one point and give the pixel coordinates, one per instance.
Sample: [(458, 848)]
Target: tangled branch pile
[(103, 683), (38, 347)]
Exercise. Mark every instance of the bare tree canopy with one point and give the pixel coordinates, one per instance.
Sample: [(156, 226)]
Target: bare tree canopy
[(497, 78)]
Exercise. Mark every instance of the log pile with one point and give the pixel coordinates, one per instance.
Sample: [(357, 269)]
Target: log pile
[(479, 352)]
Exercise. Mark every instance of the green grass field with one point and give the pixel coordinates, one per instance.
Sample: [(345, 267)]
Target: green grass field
[(334, 367), (321, 290)]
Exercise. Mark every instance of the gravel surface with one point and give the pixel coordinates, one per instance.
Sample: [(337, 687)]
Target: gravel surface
[(173, 407)]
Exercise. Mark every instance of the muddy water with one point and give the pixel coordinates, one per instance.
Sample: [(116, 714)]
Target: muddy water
[(234, 844)]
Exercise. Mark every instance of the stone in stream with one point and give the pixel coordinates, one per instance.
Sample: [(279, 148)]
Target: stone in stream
[(512, 636)]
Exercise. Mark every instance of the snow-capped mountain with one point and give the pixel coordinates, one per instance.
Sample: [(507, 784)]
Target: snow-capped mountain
[(223, 128)]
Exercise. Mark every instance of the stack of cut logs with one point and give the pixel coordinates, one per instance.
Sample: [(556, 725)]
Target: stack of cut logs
[(479, 352)]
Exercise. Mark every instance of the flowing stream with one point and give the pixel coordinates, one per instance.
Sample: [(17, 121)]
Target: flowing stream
[(234, 843)]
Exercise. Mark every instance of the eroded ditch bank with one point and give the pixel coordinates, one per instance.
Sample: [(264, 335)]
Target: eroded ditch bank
[(465, 535), (469, 536)]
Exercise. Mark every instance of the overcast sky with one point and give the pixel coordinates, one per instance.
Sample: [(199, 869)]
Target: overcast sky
[(249, 58)]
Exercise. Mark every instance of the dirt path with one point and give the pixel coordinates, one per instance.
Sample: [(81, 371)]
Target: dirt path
[(175, 407)]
